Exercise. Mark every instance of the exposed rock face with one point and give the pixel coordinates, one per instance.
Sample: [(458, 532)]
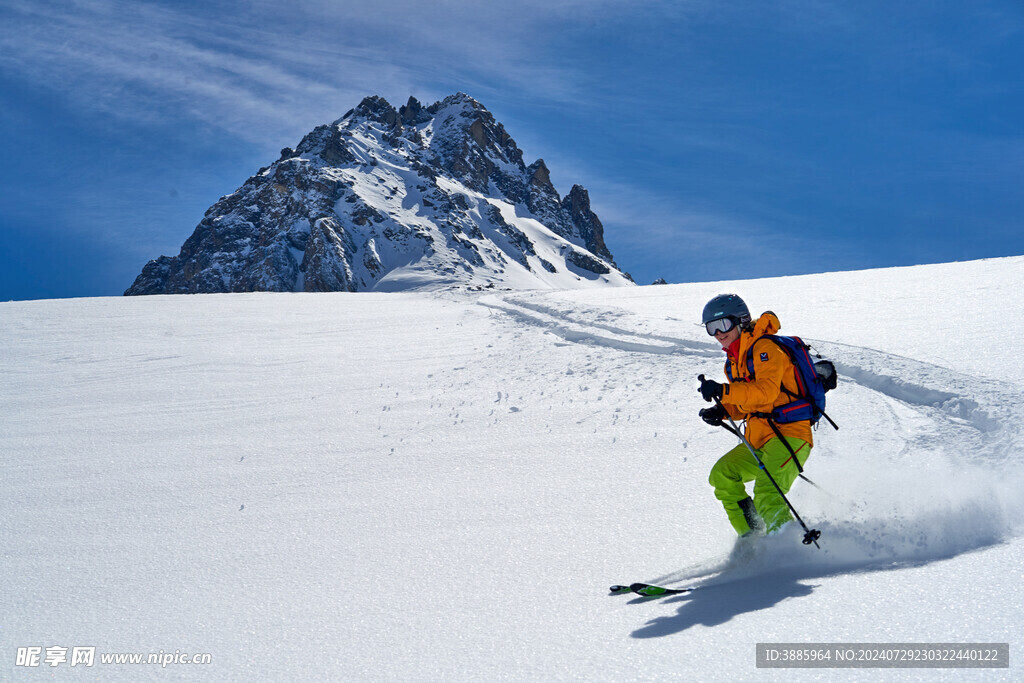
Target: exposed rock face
[(386, 199)]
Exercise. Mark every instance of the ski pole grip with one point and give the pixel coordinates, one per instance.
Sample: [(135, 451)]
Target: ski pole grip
[(701, 378)]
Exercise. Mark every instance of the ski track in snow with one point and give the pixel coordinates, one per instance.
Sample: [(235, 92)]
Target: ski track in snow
[(879, 510)]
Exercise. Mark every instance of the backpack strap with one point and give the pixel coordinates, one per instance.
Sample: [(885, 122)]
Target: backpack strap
[(797, 397), (750, 360)]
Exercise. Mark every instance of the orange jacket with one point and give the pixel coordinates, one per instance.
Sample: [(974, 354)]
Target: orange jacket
[(772, 370)]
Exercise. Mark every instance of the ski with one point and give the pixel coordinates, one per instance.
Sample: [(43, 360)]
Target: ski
[(647, 590)]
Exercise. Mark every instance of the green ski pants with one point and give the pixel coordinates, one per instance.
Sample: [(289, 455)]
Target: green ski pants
[(738, 466)]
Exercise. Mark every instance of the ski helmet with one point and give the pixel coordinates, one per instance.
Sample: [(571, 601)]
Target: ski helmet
[(726, 306)]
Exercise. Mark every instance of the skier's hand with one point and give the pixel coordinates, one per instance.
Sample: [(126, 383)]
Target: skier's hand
[(710, 389), (714, 415)]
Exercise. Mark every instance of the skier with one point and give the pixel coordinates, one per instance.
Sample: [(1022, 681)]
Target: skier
[(750, 399)]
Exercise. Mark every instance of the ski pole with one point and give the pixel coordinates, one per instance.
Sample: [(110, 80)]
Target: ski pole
[(810, 535)]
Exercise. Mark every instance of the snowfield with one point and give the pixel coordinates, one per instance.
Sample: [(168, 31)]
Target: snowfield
[(442, 486)]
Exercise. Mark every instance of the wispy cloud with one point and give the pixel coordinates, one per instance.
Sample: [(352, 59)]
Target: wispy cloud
[(151, 64), (641, 217), (268, 68)]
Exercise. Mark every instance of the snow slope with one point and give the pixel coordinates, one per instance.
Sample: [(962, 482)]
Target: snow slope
[(441, 486)]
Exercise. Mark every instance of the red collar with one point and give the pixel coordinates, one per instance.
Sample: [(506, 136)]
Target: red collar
[(733, 349)]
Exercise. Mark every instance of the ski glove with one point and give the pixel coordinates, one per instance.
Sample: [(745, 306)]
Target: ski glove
[(714, 415), (710, 389)]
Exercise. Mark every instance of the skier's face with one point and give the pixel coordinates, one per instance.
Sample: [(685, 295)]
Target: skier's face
[(727, 338)]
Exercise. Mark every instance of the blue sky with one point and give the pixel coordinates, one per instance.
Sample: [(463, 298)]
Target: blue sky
[(718, 140)]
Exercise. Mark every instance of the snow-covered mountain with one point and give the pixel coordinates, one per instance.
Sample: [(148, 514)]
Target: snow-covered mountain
[(387, 200), (304, 490)]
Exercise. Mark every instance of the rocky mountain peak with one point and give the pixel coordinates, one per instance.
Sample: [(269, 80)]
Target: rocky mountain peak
[(388, 199), (588, 225), (413, 113), (375, 109)]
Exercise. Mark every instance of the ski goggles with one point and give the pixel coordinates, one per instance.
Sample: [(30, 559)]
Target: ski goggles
[(720, 325)]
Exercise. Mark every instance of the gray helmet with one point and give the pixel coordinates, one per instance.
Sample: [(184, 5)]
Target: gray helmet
[(726, 306)]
